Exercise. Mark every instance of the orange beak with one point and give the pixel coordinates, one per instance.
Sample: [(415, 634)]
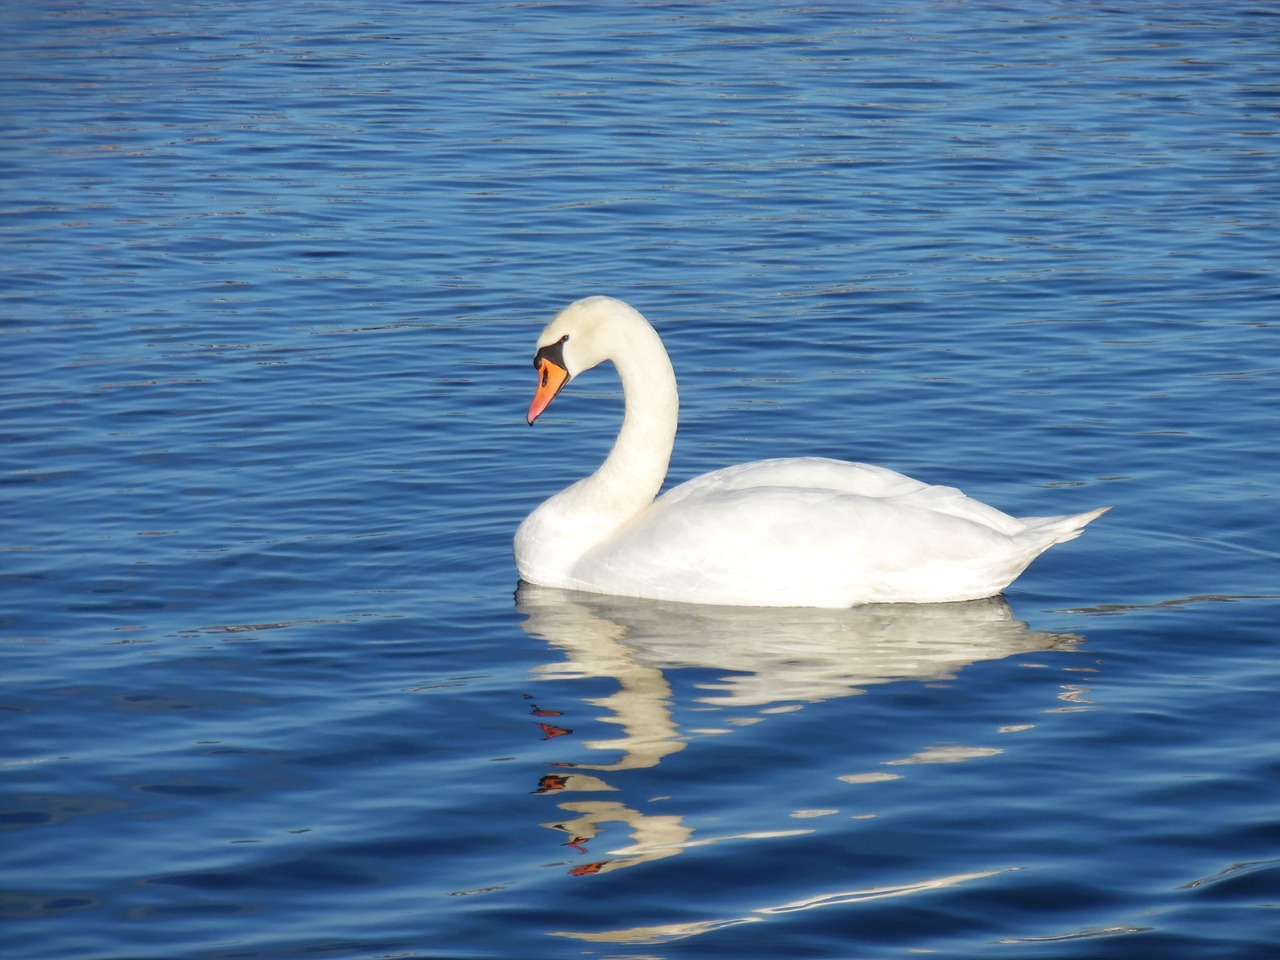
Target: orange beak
[(551, 380)]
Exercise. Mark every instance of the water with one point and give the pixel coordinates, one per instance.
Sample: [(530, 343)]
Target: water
[(271, 279)]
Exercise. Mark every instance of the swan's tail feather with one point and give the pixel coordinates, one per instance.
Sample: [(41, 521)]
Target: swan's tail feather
[(1051, 530)]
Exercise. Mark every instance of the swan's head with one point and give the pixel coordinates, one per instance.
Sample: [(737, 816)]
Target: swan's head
[(583, 334)]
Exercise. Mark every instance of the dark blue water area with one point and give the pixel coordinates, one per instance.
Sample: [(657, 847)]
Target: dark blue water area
[(270, 282)]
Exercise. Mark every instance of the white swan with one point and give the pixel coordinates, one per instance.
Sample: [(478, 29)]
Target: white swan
[(800, 532)]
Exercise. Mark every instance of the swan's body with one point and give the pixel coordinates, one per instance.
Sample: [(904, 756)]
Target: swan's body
[(803, 532)]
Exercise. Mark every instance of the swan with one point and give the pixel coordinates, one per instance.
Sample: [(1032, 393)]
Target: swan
[(795, 532)]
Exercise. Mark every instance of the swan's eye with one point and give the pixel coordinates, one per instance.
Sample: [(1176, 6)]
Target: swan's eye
[(553, 353)]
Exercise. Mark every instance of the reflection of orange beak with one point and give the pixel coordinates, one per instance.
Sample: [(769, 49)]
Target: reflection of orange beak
[(551, 379)]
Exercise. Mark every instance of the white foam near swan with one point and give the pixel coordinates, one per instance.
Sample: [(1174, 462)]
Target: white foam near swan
[(798, 532)]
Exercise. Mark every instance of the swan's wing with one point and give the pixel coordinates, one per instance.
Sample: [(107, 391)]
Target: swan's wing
[(792, 545), (822, 533)]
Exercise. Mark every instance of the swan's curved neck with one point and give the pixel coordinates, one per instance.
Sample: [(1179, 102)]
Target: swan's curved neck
[(632, 474)]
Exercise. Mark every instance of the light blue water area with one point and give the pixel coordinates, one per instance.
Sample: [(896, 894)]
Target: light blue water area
[(270, 283)]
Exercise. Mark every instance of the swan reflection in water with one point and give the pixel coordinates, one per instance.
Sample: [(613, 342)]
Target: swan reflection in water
[(763, 656)]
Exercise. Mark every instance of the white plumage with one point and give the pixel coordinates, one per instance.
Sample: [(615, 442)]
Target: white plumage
[(804, 532)]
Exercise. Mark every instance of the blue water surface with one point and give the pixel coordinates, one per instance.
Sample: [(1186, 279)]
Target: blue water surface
[(270, 282)]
